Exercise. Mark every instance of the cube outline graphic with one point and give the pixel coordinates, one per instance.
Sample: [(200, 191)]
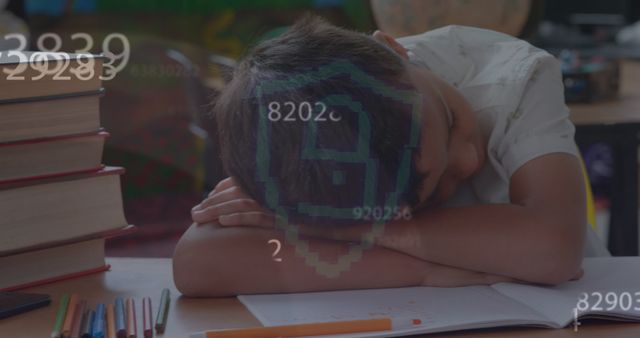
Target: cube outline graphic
[(360, 155)]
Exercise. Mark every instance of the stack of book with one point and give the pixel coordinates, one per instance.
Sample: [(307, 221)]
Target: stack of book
[(58, 203)]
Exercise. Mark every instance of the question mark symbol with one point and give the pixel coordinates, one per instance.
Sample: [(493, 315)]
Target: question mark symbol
[(278, 247)]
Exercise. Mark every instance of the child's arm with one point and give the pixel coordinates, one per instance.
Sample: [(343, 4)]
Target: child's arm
[(538, 237), (214, 261)]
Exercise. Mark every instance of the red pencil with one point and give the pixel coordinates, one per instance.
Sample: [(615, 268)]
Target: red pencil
[(147, 321)]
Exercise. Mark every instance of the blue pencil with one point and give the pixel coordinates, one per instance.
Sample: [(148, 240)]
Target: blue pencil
[(86, 331), (98, 323), (121, 329)]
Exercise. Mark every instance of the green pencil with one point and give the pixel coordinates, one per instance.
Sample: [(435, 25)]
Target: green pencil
[(62, 312), (163, 311)]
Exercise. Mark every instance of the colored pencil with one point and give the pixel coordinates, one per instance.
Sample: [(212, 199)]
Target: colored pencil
[(163, 311), (111, 324), (86, 328), (121, 323), (77, 319), (83, 322), (301, 330), (97, 329), (68, 319), (147, 321), (131, 319), (60, 315)]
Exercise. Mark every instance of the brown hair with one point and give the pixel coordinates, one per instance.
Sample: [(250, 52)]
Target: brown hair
[(315, 61)]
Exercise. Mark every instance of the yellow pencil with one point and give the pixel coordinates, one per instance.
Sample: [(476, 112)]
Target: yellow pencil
[(300, 330), (111, 324)]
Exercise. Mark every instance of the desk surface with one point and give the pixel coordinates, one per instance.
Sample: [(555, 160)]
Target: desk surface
[(146, 277), (624, 109)]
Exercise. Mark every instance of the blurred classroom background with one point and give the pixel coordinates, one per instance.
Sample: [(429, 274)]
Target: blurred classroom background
[(180, 54)]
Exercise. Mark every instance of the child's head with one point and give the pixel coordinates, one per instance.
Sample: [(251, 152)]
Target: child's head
[(312, 66)]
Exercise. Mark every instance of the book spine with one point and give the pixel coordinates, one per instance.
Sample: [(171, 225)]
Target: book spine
[(55, 175), (99, 133), (57, 278), (98, 93), (106, 170), (127, 230)]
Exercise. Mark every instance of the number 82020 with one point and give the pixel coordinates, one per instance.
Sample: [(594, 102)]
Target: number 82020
[(303, 111)]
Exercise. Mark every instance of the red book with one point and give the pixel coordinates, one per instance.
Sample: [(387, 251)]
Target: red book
[(38, 212), (52, 156), (61, 261)]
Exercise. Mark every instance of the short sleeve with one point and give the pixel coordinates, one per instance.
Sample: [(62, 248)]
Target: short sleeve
[(540, 124)]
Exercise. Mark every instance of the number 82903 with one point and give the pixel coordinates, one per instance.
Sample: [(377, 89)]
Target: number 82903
[(599, 301)]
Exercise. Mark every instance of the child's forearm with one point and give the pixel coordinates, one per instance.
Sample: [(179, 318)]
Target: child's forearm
[(217, 262), (503, 239), (211, 261), (538, 237)]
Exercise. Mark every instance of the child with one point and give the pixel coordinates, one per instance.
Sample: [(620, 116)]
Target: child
[(494, 185)]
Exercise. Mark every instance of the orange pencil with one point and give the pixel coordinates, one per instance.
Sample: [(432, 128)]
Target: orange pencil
[(77, 319), (131, 319), (68, 320), (111, 324), (312, 329)]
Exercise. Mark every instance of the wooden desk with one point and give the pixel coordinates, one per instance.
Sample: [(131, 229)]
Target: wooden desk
[(132, 277), (141, 277), (617, 122)]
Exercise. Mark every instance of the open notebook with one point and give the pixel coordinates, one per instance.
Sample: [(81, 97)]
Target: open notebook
[(448, 309)]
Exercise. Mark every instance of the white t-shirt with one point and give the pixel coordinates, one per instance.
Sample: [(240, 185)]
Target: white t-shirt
[(517, 93)]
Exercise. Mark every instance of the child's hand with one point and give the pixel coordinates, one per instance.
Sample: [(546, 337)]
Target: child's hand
[(230, 206), (578, 275)]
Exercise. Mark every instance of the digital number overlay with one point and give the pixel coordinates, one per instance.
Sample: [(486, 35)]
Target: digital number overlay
[(303, 111), (605, 302), (309, 117), (49, 60)]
